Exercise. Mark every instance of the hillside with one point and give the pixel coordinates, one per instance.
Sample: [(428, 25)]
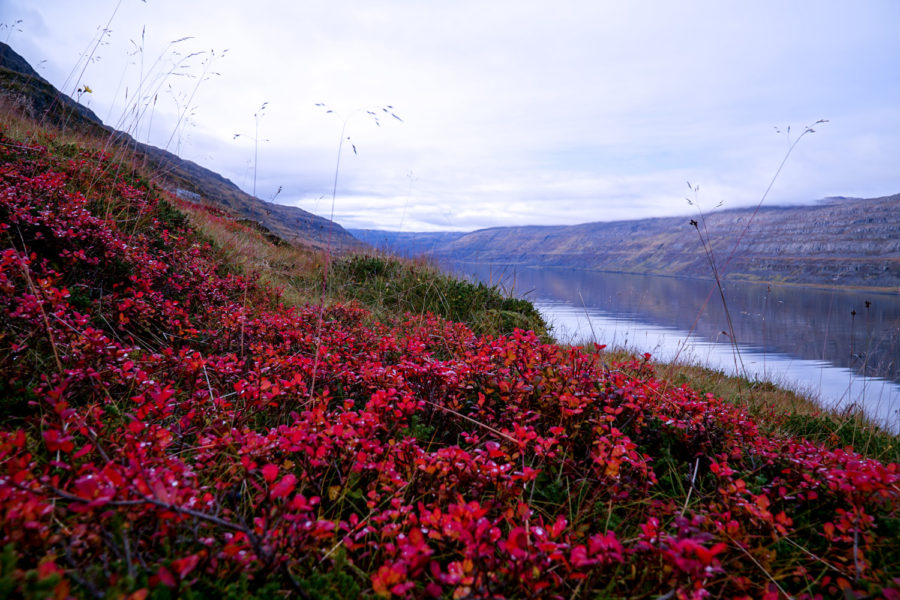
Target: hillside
[(24, 91), (841, 241), (178, 421), (170, 428)]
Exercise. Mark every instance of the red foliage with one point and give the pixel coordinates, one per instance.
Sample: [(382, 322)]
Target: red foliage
[(176, 434)]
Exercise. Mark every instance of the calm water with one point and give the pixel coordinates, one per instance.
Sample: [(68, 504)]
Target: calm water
[(840, 346)]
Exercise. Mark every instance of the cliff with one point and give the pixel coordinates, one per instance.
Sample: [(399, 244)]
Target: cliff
[(837, 242)]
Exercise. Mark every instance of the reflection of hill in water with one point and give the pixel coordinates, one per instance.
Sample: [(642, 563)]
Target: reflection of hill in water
[(807, 323)]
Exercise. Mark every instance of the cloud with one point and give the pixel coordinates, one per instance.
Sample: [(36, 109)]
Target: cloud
[(513, 112)]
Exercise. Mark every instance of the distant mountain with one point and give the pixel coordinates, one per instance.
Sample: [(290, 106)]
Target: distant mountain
[(838, 242), (23, 90), (408, 244)]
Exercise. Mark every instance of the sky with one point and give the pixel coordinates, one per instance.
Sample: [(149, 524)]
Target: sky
[(509, 112)]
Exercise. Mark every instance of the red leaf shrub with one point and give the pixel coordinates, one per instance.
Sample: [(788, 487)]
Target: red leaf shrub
[(168, 423)]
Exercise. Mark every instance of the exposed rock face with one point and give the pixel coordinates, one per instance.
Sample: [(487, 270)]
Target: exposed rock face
[(24, 90), (841, 241)]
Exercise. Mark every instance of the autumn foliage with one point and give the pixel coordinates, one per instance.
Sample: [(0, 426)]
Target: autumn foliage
[(170, 428)]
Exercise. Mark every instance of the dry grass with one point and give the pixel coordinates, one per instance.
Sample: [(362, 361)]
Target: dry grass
[(293, 269), (778, 409)]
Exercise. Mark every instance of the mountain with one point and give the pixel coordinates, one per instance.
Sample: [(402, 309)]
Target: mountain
[(24, 91), (403, 243), (837, 242)]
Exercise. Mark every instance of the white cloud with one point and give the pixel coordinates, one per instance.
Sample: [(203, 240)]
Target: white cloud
[(514, 112)]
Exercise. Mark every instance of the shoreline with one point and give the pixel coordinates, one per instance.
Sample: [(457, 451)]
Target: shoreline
[(769, 400), (888, 290)]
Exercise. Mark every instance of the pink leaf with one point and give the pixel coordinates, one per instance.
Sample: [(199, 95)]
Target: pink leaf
[(270, 472), (284, 487), (165, 577)]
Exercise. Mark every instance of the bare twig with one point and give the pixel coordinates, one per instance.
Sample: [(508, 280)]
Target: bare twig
[(479, 423), (763, 569), (691, 488)]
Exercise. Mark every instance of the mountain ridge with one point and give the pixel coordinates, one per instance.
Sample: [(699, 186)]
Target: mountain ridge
[(23, 90), (839, 241)]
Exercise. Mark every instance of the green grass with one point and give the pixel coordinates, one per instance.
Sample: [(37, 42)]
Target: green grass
[(390, 287), (779, 409)]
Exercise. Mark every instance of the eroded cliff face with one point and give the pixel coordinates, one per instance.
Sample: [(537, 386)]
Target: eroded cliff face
[(845, 242), (841, 241)]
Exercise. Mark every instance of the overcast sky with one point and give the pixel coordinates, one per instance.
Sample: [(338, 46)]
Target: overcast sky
[(514, 112)]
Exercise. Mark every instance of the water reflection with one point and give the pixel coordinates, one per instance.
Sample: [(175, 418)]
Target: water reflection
[(841, 344)]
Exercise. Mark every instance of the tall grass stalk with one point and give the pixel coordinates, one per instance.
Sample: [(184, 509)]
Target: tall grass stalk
[(153, 79), (708, 249), (203, 76), (706, 242), (806, 130), (88, 56), (13, 27), (375, 115), (257, 116)]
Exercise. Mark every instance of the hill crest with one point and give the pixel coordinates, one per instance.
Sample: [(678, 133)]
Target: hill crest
[(23, 90)]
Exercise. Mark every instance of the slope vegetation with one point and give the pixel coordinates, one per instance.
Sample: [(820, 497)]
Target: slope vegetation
[(172, 429)]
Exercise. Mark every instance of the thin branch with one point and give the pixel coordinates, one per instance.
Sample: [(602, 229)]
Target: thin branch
[(691, 488), (480, 424)]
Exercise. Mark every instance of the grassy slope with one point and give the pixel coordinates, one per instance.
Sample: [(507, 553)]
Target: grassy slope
[(178, 421)]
